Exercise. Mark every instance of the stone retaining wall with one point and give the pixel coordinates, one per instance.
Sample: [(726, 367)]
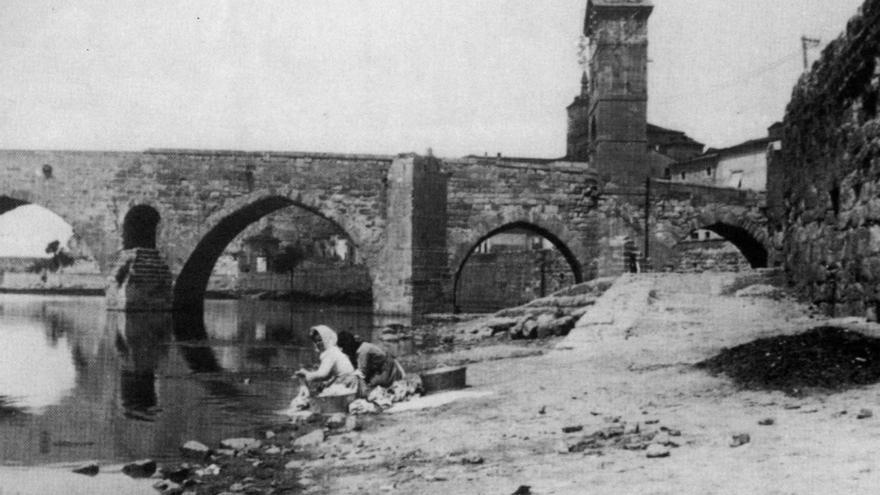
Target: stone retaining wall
[(824, 188)]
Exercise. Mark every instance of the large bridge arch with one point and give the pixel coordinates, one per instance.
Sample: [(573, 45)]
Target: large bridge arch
[(468, 246), (464, 253), (224, 225)]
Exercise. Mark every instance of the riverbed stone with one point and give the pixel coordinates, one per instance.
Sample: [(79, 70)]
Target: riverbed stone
[(195, 449), (143, 468), (241, 443)]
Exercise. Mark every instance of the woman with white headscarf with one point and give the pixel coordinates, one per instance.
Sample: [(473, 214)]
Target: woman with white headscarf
[(334, 367)]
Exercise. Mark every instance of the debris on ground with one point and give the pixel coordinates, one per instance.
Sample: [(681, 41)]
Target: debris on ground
[(620, 435), (825, 357), (740, 439)]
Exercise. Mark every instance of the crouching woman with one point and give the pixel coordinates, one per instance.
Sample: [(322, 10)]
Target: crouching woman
[(335, 367), (376, 366)]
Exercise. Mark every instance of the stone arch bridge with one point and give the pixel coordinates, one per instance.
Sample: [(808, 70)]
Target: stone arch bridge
[(156, 221)]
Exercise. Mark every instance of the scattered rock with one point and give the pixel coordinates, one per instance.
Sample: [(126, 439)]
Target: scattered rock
[(244, 444), (740, 439), (335, 421), (671, 431), (140, 469), (542, 410), (211, 470), (195, 449), (472, 459), (90, 469), (572, 429), (166, 487), (523, 490), (177, 474), (309, 440), (353, 423), (656, 450), (295, 464), (273, 450), (865, 414), (767, 422), (305, 417), (269, 434)]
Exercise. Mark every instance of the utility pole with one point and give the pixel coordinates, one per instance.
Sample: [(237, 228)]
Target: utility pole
[(647, 223), (806, 44)]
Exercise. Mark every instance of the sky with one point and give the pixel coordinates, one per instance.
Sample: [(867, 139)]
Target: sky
[(378, 76)]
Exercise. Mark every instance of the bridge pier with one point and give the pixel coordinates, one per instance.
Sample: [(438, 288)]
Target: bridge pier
[(140, 281)]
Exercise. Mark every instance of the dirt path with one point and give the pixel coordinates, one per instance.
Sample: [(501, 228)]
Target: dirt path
[(631, 365)]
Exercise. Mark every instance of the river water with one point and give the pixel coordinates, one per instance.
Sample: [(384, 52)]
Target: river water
[(80, 383)]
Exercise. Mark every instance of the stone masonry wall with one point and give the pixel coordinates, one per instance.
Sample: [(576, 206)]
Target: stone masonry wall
[(826, 182)]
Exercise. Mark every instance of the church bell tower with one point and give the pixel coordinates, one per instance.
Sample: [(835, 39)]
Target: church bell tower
[(607, 122)]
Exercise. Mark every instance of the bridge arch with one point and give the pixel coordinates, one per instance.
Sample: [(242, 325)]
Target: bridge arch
[(86, 238), (224, 225), (470, 247), (735, 224)]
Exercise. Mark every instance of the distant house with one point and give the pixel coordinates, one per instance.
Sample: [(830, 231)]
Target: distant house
[(675, 144), (743, 166)]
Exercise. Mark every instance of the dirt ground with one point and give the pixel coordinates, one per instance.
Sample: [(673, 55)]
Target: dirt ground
[(632, 365)]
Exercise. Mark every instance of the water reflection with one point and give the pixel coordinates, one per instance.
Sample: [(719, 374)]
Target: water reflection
[(77, 382)]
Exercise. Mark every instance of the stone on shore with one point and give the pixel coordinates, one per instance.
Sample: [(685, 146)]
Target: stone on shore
[(656, 450), (195, 449), (90, 469), (740, 439), (241, 444), (143, 468), (309, 440)]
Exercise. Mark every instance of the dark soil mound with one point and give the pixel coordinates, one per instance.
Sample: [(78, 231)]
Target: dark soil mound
[(824, 357)]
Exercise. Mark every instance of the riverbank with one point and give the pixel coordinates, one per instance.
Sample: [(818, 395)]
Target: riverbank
[(550, 421), (617, 406)]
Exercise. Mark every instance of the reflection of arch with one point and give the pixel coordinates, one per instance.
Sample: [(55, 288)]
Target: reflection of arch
[(192, 281), (139, 227), (570, 258)]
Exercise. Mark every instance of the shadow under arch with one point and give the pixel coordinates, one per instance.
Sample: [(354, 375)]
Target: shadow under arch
[(752, 249), (570, 258), (139, 227)]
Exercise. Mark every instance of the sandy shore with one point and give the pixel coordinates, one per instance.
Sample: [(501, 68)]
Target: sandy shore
[(635, 367)]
